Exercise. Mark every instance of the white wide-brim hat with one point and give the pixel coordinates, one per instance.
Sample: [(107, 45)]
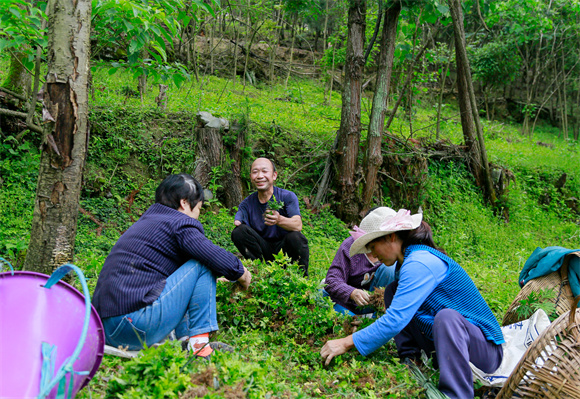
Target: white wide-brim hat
[(381, 222)]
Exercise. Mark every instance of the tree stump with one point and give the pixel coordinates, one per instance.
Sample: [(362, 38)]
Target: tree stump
[(219, 157)]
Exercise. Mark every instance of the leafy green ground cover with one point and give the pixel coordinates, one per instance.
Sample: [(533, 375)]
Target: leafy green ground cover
[(279, 326)]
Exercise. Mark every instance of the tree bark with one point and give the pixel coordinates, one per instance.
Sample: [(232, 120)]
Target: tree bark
[(473, 133), (218, 158), (233, 189), (374, 158), (64, 146), (440, 99), (18, 78), (350, 125)]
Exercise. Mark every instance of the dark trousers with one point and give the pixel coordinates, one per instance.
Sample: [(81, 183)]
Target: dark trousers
[(456, 342), (252, 246)]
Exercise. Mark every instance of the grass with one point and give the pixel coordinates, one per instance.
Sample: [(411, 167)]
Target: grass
[(133, 145)]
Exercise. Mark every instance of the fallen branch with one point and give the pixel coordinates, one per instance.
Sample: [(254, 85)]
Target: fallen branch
[(13, 94), (130, 199), (390, 177), (22, 115), (94, 219)]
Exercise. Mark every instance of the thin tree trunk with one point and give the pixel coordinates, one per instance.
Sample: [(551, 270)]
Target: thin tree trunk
[(440, 100), (211, 49), (467, 84), (291, 51), (329, 99), (350, 124), (375, 33), (564, 100), (64, 146), (235, 59), (326, 177), (18, 78), (374, 158), (248, 48), (577, 131), (276, 44), (193, 50), (34, 94), (325, 32)]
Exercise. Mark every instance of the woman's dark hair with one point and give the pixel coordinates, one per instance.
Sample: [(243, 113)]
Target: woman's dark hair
[(422, 235), (174, 188)]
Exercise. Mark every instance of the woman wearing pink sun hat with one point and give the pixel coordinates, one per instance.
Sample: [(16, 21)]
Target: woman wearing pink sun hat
[(434, 306)]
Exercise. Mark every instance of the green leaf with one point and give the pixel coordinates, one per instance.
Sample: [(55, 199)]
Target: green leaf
[(178, 79), (443, 9)]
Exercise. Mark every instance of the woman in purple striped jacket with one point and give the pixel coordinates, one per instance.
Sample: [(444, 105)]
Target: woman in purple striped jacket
[(161, 274)]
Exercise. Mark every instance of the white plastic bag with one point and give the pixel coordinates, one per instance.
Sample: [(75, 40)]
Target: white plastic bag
[(518, 338)]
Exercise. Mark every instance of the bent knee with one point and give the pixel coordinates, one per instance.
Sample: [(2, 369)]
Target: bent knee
[(297, 236), (240, 230), (448, 319)]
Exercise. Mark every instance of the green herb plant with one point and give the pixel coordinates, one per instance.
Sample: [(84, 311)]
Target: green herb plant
[(537, 300), (274, 204)]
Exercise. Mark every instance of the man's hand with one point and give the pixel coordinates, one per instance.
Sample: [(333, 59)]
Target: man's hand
[(246, 279), (271, 218), (336, 347), (360, 297)]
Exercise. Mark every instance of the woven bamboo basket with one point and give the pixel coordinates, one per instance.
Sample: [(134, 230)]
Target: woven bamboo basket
[(557, 281), (550, 368)]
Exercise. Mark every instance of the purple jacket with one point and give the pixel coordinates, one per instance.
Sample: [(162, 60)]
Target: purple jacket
[(347, 274)]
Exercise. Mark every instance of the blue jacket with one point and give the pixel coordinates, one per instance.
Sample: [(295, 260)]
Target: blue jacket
[(548, 260), (428, 282)]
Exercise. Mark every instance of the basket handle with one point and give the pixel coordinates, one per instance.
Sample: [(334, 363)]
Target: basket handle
[(67, 366), (572, 319), (4, 261)]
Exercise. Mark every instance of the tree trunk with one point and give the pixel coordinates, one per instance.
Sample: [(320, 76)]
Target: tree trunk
[(325, 29), (248, 48), (350, 125), (218, 161), (577, 115), (564, 100), (328, 100), (291, 51), (64, 146), (237, 36), (440, 99), (474, 134), (233, 189), (374, 158), (18, 79), (276, 44), (211, 23)]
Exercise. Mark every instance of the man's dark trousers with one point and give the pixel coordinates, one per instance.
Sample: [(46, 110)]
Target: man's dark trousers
[(253, 246)]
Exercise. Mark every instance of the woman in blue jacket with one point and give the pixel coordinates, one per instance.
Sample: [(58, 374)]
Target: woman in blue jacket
[(161, 274), (434, 306)]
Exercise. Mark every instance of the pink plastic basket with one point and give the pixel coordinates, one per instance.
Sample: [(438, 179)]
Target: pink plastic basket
[(50, 335)]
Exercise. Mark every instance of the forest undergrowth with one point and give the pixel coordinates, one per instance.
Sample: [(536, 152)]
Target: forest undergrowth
[(280, 324)]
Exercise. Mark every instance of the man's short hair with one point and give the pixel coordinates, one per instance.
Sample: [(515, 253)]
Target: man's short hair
[(272, 162)]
